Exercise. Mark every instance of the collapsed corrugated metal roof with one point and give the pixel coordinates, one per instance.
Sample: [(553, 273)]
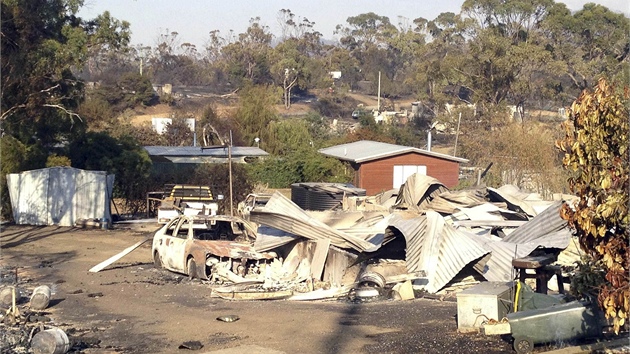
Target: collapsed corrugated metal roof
[(450, 202), (436, 247), (547, 228), (281, 213), (513, 197), (417, 192), (440, 246)]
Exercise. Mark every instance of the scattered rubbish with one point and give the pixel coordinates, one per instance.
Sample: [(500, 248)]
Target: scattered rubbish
[(228, 318), (254, 295), (366, 292), (321, 294), (50, 341), (99, 294), (403, 291), (7, 294), (372, 279), (496, 328), (40, 298), (192, 345), (114, 258)]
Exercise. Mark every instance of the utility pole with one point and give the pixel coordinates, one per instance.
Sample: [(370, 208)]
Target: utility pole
[(457, 134), (378, 102), (229, 148)]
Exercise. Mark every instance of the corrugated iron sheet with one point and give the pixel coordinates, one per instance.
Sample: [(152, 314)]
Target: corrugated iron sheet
[(283, 214), (60, 196), (498, 266), (451, 201), (436, 248), (548, 229), (268, 238), (417, 192), (514, 198)]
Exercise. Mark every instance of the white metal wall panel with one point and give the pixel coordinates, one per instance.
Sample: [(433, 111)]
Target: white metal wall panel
[(29, 193), (61, 193), (60, 196)]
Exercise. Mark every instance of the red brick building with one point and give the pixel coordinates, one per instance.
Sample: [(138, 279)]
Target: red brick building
[(380, 167)]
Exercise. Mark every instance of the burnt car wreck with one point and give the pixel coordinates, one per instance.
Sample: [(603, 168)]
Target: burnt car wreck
[(209, 247)]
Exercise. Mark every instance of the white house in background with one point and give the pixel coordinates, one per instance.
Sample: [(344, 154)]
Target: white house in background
[(59, 196), (159, 124)]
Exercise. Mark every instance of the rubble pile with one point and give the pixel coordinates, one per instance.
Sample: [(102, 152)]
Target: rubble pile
[(434, 236)]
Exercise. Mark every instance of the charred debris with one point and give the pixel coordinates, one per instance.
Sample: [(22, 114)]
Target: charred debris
[(420, 239)]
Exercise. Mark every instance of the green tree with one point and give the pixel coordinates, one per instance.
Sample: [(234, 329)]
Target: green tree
[(123, 157), (256, 111), (42, 41), (14, 154), (178, 133), (596, 153)]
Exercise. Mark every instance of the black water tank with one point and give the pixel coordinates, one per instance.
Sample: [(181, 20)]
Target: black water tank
[(322, 196)]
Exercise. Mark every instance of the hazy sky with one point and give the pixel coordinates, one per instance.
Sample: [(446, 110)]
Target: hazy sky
[(194, 19)]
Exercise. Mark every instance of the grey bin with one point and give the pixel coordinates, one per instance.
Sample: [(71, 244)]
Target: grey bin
[(558, 323)]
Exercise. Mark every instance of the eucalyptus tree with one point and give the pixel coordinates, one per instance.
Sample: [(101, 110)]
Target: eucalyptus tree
[(42, 43), (592, 43), (247, 59), (292, 60), (507, 57)]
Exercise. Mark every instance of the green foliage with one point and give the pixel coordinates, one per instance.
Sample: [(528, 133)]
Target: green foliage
[(218, 177), (588, 279), (287, 136), (55, 160), (12, 161), (596, 154), (42, 42), (123, 157), (256, 111), (144, 134), (306, 165), (137, 89), (97, 113), (178, 133)]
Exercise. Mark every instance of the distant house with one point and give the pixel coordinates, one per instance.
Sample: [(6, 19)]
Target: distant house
[(380, 166), (176, 157)]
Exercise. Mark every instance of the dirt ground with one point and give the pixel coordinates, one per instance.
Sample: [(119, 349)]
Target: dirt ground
[(132, 307)]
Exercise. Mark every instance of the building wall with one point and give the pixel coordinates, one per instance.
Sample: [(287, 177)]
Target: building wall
[(377, 176)]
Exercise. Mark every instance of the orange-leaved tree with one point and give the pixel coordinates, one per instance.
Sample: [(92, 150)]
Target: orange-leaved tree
[(596, 153)]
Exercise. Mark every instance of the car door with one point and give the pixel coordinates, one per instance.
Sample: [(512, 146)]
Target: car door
[(177, 245), (162, 241)]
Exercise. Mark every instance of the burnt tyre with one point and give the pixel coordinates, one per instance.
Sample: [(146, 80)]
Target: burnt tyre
[(157, 260), (191, 269), (523, 345)]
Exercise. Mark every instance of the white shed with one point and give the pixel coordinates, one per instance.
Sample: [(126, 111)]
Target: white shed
[(59, 195)]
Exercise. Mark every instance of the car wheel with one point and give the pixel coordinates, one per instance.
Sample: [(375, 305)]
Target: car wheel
[(523, 345), (157, 260), (191, 268)]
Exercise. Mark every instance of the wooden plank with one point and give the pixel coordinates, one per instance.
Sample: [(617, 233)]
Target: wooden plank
[(114, 258), (533, 262), (319, 258)]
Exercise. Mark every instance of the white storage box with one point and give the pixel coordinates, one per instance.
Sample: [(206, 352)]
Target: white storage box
[(483, 302)]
